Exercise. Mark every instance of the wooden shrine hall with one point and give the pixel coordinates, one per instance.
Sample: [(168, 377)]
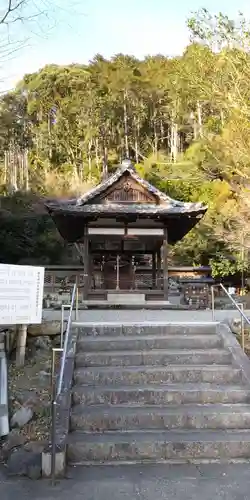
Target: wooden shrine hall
[(120, 226)]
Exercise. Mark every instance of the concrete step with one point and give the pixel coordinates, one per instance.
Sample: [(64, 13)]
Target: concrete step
[(158, 374), (153, 357), (112, 418), (144, 446), (134, 342), (146, 328), (160, 394)]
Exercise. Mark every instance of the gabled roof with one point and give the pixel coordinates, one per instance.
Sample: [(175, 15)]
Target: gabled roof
[(71, 216), (132, 208), (127, 167)]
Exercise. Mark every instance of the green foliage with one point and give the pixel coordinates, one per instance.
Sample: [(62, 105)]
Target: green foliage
[(184, 121), (27, 235), (222, 266)]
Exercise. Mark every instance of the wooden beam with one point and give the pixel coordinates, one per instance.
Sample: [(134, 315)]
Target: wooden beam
[(86, 264), (106, 231), (99, 253), (141, 231), (153, 270), (158, 268), (165, 264)]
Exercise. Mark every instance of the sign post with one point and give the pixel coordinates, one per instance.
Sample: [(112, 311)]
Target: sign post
[(21, 300)]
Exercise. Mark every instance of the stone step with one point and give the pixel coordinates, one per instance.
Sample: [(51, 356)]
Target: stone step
[(158, 374), (160, 394), (153, 357), (112, 418), (134, 342), (144, 446), (146, 328)]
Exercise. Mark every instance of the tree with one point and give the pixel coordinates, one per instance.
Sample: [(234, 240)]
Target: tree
[(185, 122), (218, 31), (23, 21)]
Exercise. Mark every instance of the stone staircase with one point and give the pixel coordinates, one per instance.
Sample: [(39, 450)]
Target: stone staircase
[(173, 392)]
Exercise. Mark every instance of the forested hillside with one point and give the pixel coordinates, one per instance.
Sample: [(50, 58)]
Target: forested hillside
[(184, 122)]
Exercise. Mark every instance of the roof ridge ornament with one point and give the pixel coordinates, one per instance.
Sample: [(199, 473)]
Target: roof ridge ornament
[(127, 163)]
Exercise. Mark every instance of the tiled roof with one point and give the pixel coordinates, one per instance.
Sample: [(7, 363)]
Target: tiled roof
[(133, 208), (127, 166)]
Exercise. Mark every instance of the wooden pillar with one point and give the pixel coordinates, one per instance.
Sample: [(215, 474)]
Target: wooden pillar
[(86, 264), (153, 270), (165, 264), (118, 272), (158, 268), (21, 345)]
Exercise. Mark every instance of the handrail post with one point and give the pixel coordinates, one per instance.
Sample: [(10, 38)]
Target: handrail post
[(242, 332), (53, 443), (53, 364), (63, 308), (235, 304), (76, 304), (53, 415), (57, 389), (62, 325), (243, 316), (212, 302)]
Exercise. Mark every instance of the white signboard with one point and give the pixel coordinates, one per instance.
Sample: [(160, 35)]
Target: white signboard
[(21, 294)]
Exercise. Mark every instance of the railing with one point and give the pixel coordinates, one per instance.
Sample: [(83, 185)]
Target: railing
[(239, 307), (58, 388)]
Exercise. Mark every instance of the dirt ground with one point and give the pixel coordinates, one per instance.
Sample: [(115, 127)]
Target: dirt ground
[(30, 386)]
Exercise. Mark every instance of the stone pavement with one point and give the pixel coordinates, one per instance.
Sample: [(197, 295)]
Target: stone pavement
[(136, 482), (110, 315)]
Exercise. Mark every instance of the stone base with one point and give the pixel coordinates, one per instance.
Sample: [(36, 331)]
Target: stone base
[(131, 305), (60, 464), (4, 418), (126, 298)]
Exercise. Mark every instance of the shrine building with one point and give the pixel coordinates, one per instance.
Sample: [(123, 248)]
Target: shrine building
[(119, 225)]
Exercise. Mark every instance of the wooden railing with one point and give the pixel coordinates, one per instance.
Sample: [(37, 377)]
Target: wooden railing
[(59, 280)]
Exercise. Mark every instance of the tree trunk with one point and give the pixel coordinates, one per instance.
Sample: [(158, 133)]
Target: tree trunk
[(195, 130), (161, 133), (199, 116), (49, 135), (13, 169), (136, 150), (15, 163), (125, 121), (155, 136), (137, 135), (90, 159), (174, 142), (120, 146), (105, 160), (97, 158), (193, 121), (180, 143), (6, 167), (26, 170), (21, 170)]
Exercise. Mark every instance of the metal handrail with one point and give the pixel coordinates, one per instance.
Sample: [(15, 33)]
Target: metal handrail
[(239, 307), (56, 392), (66, 341)]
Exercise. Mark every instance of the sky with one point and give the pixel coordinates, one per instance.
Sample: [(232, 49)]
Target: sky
[(74, 31)]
